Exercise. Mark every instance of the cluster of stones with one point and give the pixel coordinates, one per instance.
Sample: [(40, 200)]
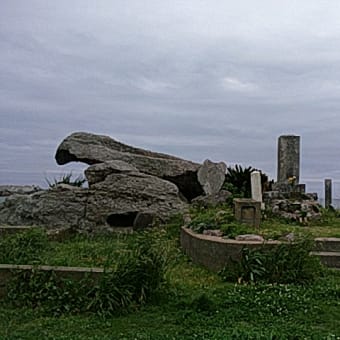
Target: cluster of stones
[(288, 198), (127, 186)]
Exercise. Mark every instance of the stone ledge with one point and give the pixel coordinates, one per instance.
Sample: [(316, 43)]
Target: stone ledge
[(7, 271), (215, 253)]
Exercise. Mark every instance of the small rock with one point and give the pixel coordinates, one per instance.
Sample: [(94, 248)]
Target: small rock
[(249, 237), (213, 232), (212, 200), (289, 237), (144, 220)]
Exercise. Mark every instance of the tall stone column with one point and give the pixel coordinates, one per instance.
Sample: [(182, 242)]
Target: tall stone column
[(288, 158), (328, 193)]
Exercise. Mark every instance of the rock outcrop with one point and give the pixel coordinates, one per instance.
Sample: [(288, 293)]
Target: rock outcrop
[(128, 187), (63, 206), (92, 149), (8, 190)]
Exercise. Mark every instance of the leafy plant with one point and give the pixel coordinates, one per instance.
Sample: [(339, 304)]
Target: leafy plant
[(66, 179), (238, 180), (231, 230), (285, 263)]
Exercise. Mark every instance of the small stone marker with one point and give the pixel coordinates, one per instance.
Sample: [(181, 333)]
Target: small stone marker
[(328, 193), (256, 187)]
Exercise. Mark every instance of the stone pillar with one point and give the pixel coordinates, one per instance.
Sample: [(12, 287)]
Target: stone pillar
[(288, 158), (256, 187), (328, 192)]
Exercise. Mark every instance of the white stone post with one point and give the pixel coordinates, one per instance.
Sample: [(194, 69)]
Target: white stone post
[(256, 187)]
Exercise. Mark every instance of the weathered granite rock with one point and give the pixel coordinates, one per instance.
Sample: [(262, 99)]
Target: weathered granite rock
[(144, 220), (115, 201), (98, 172), (249, 237), (60, 207), (8, 190), (211, 176), (138, 192), (91, 149), (212, 200)]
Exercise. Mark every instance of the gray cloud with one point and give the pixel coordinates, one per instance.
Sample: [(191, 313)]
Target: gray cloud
[(198, 79)]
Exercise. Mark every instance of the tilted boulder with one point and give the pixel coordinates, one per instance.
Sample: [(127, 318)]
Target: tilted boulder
[(92, 149), (98, 172), (211, 176)]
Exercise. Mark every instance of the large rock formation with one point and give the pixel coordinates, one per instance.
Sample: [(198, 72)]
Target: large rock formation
[(91, 149), (127, 187)]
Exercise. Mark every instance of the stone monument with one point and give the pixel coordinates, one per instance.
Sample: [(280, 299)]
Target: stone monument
[(328, 193), (288, 158)]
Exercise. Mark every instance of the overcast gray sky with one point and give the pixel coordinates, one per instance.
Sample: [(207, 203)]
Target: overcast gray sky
[(198, 79)]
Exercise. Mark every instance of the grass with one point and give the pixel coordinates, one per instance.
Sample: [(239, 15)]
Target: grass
[(199, 306), (222, 218), (193, 304)]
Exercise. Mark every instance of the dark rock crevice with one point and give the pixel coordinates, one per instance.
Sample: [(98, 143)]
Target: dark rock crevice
[(187, 184), (125, 219)]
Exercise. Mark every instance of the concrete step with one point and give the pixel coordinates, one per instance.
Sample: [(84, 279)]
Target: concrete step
[(330, 259), (327, 244)]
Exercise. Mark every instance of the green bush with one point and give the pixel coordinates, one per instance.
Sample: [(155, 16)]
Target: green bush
[(285, 263), (132, 281), (24, 247), (238, 180)]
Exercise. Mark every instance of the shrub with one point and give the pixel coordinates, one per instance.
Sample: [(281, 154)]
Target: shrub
[(238, 180), (285, 263), (24, 247), (66, 179)]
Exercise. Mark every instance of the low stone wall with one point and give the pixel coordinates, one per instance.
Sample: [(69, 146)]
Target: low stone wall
[(214, 252), (7, 271)]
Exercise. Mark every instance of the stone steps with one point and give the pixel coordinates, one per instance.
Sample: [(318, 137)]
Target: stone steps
[(327, 244), (330, 259)]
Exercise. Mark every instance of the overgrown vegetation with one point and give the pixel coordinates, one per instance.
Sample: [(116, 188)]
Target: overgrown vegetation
[(23, 248), (66, 179), (167, 296), (281, 264), (220, 217), (129, 280), (196, 304)]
